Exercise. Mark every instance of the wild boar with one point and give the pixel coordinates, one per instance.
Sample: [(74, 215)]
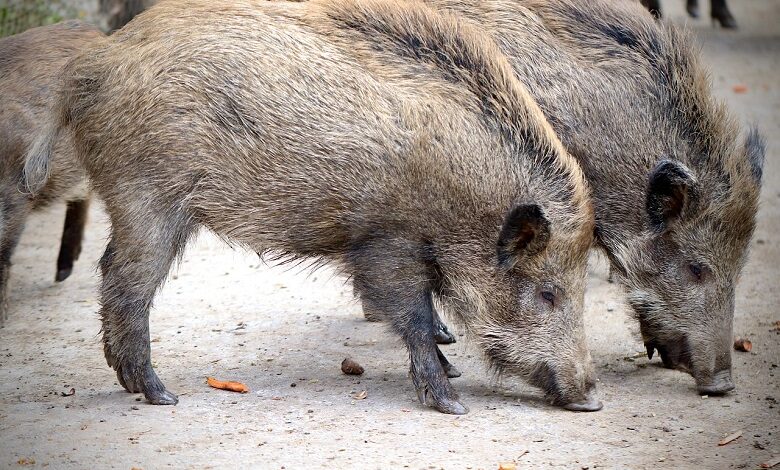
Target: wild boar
[(118, 13), (380, 136), (675, 191), (30, 65)]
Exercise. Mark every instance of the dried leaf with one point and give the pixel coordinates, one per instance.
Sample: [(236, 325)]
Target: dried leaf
[(730, 438), (231, 386), (771, 462)]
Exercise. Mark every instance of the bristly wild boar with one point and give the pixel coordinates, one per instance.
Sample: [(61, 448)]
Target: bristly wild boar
[(379, 136), (119, 12), (675, 191), (30, 65)]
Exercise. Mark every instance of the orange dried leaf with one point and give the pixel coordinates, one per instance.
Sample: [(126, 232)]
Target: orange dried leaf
[(771, 462), (231, 386), (730, 438), (740, 88)]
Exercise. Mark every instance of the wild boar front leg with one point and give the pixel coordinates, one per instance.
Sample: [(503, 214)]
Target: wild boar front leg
[(395, 284), (427, 371), (136, 262), (378, 315), (72, 234), (441, 333)]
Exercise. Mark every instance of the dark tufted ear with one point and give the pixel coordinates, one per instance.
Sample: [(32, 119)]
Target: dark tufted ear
[(755, 149), (525, 232), (669, 191)]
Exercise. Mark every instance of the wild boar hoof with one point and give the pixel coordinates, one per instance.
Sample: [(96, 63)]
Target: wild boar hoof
[(721, 384), (446, 405), (62, 274), (144, 380), (451, 408), (451, 371), (442, 335), (163, 397), (590, 404)]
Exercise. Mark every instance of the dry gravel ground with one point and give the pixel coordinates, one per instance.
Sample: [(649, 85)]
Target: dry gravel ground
[(285, 332)]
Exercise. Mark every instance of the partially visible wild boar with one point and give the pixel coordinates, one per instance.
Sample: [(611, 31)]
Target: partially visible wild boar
[(676, 191), (119, 12), (380, 136), (30, 73)]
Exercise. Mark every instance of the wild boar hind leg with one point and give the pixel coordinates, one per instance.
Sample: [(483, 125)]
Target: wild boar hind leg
[(441, 333), (72, 234), (139, 255), (451, 371)]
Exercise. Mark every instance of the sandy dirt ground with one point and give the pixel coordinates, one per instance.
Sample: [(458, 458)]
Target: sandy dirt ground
[(284, 332)]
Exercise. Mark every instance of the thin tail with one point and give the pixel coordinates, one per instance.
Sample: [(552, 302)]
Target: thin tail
[(38, 161)]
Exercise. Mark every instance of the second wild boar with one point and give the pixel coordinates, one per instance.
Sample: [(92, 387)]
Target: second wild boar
[(30, 74)]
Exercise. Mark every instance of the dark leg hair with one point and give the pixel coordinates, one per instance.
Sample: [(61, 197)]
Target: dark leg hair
[(397, 285), (720, 13), (134, 266), (72, 235)]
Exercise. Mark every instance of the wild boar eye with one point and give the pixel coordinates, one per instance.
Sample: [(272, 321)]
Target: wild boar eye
[(549, 297), (697, 270)]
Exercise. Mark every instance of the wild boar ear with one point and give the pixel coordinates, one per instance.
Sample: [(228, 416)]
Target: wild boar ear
[(755, 149), (525, 232), (669, 191)]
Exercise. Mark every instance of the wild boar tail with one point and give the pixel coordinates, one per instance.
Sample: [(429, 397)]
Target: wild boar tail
[(37, 162)]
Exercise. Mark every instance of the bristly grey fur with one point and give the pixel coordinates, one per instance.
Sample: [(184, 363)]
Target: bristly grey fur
[(380, 136), (30, 65), (625, 92)]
